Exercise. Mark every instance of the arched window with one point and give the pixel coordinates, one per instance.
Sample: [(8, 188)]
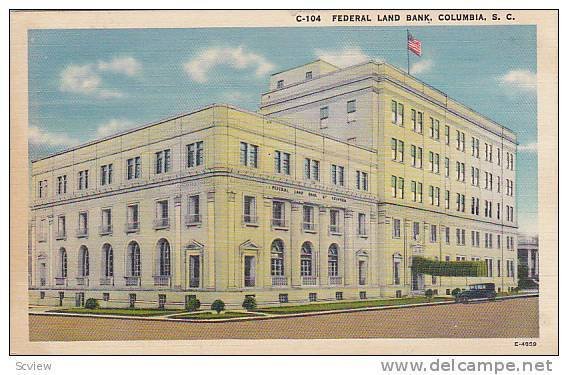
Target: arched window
[(62, 271), (306, 260), (108, 261), (83, 262), (133, 260), (333, 260), (396, 264), (163, 258), (277, 258)]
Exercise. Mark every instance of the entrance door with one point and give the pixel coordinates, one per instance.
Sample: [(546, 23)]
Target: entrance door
[(249, 273), (42, 274), (417, 281), (194, 271)]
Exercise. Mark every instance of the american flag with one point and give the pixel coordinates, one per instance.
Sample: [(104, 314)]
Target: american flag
[(414, 45)]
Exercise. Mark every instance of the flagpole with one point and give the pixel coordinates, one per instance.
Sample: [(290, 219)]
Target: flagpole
[(407, 53)]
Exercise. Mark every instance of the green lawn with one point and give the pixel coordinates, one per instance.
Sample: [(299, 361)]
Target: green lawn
[(117, 311), (214, 315), (347, 305)]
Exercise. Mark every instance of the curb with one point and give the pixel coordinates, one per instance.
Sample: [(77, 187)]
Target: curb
[(273, 316)]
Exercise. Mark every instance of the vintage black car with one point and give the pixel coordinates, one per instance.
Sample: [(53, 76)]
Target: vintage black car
[(476, 292)]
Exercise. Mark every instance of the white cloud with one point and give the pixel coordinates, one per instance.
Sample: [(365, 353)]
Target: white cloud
[(236, 96), (238, 58), (529, 147), (421, 66), (123, 65), (345, 57), (113, 126), (38, 136), (518, 80), (87, 79)]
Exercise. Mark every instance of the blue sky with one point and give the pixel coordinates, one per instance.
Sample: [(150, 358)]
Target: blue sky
[(84, 84)]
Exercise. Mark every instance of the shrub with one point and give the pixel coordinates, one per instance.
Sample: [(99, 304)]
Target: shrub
[(193, 304), (92, 303), (249, 303), (429, 293), (455, 292), (218, 306)]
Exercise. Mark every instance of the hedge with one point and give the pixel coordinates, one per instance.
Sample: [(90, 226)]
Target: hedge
[(449, 269)]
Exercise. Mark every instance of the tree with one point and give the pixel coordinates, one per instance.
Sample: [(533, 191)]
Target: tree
[(192, 304), (92, 304), (218, 306), (249, 303), (455, 292)]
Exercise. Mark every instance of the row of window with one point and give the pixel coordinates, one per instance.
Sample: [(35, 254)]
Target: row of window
[(416, 189), (416, 155), (435, 231), (417, 122), (162, 164)]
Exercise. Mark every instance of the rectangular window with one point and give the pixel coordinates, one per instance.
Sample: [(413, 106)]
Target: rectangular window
[(433, 233), (447, 235), (460, 141), (61, 228), (337, 175), (334, 221), (362, 181), (106, 174), (42, 189), (132, 216), (415, 231), (163, 160), (396, 228), (106, 220), (311, 169), (324, 113), (194, 154), (282, 162), (447, 199), (351, 106), (278, 214), (83, 180), (308, 75), (397, 150), (447, 134), (249, 210), (249, 155), (362, 225), (162, 214), (308, 216), (397, 113), (280, 84), (193, 210)]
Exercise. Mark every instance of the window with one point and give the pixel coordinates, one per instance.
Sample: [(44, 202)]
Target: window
[(396, 228), (133, 168), (132, 218), (312, 297), (417, 119), (415, 231), (397, 111), (337, 175), (397, 150), (306, 260), (108, 261), (308, 215), (164, 256), (61, 229), (460, 237), (282, 162), (433, 233), (397, 186), (83, 227), (446, 167), (447, 230), (62, 184), (475, 147), (133, 260), (106, 221), (193, 210), (434, 128), (396, 265), (460, 141), (338, 296), (283, 298), (460, 202), (460, 171), (362, 181), (194, 154), (334, 221), (447, 199), (510, 268), (311, 169), (362, 225), (277, 258), (42, 192), (249, 155), (83, 180), (163, 161), (83, 270), (416, 156), (308, 75), (106, 174), (324, 113), (280, 84), (351, 106), (62, 263), (434, 162), (249, 210), (278, 214), (498, 267), (489, 264), (416, 189), (162, 215), (475, 238), (333, 261), (447, 134)]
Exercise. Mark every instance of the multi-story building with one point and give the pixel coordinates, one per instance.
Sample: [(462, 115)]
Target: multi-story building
[(326, 194)]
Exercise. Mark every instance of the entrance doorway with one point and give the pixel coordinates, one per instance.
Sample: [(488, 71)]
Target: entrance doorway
[(417, 282)]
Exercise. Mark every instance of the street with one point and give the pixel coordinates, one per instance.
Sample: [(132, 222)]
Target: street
[(502, 318)]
